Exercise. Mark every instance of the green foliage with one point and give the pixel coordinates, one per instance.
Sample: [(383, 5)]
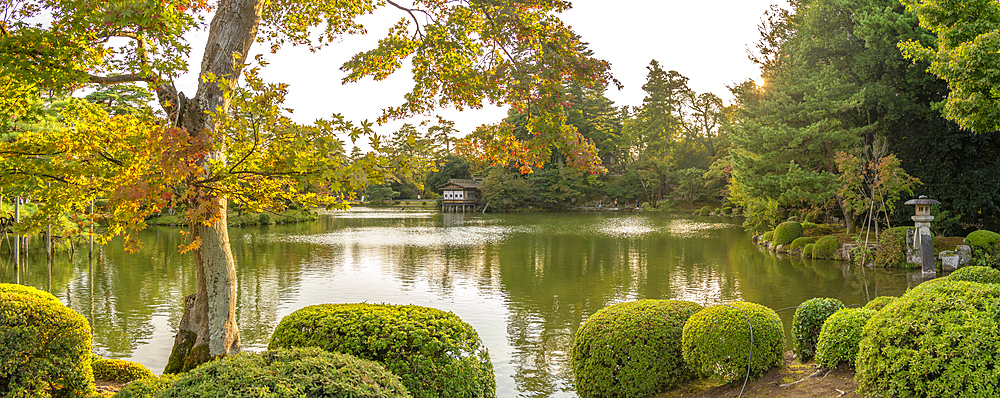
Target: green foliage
[(451, 167), (938, 340), (629, 349), (43, 345), (801, 241), (976, 274), (786, 232), (985, 247), (819, 230), (716, 340), (879, 302), (727, 209), (890, 251), (704, 211), (807, 250), (840, 336), (504, 190), (119, 371), (761, 215), (434, 352), (965, 55), (826, 247), (295, 372), (873, 182), (807, 323), (379, 193), (146, 388), (767, 236)]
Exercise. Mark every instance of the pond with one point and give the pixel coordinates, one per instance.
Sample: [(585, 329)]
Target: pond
[(525, 281)]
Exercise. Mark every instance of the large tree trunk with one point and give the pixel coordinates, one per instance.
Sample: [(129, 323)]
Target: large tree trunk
[(208, 327)]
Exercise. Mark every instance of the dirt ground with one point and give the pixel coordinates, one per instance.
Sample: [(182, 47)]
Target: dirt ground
[(791, 380)]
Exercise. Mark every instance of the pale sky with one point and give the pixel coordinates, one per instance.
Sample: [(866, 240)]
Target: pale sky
[(706, 41)]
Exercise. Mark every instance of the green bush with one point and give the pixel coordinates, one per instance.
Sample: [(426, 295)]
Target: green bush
[(787, 232), (119, 371), (807, 250), (976, 274), (264, 219), (767, 237), (146, 388), (807, 323), (630, 349), (801, 241), (826, 247), (879, 302), (939, 340), (839, 338), (727, 210), (985, 247), (434, 352), (704, 211), (716, 340), (297, 372), (43, 345), (890, 251)]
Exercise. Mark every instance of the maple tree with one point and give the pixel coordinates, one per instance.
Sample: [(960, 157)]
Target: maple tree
[(233, 140)]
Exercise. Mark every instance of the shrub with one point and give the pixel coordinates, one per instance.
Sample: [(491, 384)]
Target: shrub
[(716, 340), (146, 388), (890, 250), (629, 349), (976, 274), (717, 211), (801, 241), (807, 250), (808, 321), (819, 230), (879, 302), (43, 344), (767, 237), (938, 340), (786, 232), (826, 247), (119, 371), (264, 219), (664, 204), (839, 338), (984, 245), (434, 352), (727, 210), (704, 211), (297, 372)]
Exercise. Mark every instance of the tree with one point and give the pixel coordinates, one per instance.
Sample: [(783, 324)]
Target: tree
[(202, 153), (451, 167), (966, 54), (504, 190)]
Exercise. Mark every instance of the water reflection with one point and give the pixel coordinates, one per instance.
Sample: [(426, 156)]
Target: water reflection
[(525, 282)]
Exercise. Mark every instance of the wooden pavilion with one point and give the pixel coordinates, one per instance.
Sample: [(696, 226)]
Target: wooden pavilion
[(459, 195)]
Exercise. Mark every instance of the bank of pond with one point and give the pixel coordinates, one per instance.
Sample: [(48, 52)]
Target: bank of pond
[(937, 339)]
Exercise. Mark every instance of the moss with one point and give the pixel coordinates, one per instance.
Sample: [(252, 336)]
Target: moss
[(767, 237), (787, 232), (818, 230), (801, 241), (826, 247), (185, 356), (807, 250)]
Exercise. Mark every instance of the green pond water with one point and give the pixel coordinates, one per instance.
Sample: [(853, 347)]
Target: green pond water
[(525, 281)]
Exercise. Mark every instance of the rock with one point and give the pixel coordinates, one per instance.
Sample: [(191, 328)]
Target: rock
[(964, 254), (949, 260)]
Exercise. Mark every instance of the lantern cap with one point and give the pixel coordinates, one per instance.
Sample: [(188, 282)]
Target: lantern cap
[(922, 200)]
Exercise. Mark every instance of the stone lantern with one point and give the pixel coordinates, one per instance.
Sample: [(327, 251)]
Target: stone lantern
[(922, 241)]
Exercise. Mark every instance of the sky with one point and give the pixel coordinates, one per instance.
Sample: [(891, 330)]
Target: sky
[(706, 41)]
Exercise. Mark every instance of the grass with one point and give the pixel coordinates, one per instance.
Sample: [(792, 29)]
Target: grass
[(247, 219)]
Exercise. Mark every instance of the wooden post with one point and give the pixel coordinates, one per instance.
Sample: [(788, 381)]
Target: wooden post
[(48, 241), (91, 252)]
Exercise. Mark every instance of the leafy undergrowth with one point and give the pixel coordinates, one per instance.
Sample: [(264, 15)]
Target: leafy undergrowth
[(834, 383), (238, 220)]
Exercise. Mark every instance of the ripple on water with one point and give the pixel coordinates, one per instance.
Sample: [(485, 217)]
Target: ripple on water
[(690, 228), (414, 236)]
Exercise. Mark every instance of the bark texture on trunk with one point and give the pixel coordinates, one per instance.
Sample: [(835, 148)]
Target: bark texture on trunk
[(208, 327)]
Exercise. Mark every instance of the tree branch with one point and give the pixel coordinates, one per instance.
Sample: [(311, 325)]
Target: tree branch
[(410, 11), (118, 79)]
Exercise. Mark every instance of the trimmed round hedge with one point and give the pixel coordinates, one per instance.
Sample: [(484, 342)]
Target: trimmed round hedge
[(826, 247), (801, 241), (985, 246), (807, 323), (787, 232), (938, 340), (716, 340), (976, 274), (878, 302), (434, 352), (767, 236), (42, 344), (287, 373), (704, 211), (807, 250), (120, 371), (630, 349), (839, 338)]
